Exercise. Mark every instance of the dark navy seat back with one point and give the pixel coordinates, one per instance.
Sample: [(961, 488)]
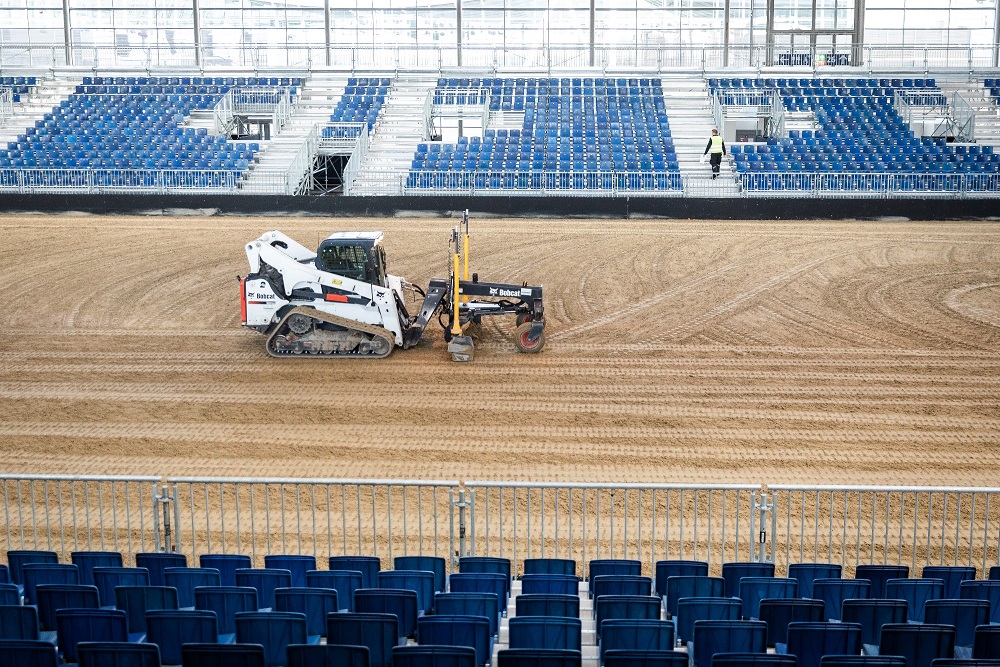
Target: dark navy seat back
[(636, 635), (811, 641), (733, 572), (27, 652), (487, 565), (51, 598), (545, 632), (550, 584), (686, 586), (833, 592), (621, 584), (471, 604), (984, 590), (186, 579), (753, 660), (345, 582), (807, 573), (778, 613), (986, 643), (314, 603), (434, 564), (297, 566), (18, 558), (226, 564), (157, 562), (107, 579), (226, 602), (916, 592), (18, 623), (472, 631), (420, 582), (399, 602), (528, 657), (5, 575), (481, 582), (677, 568), (326, 655), (605, 566), (89, 625), (755, 589), (9, 595), (88, 560), (862, 661), (117, 654), (135, 601), (919, 644), (872, 615), (692, 610), (274, 630), (711, 637), (368, 566), (547, 605), (170, 630), (879, 575), (951, 575), (625, 606), (223, 655), (378, 632), (994, 573), (264, 581), (550, 566), (964, 662), (965, 615), (431, 655), (35, 574)]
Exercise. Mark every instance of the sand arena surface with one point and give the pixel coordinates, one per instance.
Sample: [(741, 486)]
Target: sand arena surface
[(793, 352)]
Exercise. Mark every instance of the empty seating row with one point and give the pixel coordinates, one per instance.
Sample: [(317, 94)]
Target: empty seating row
[(762, 83), (228, 82)]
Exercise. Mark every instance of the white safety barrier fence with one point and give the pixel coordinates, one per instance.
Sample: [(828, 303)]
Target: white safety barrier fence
[(869, 185), (584, 184), (255, 102), (137, 181), (716, 523)]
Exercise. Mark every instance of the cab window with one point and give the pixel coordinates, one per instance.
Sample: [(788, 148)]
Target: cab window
[(345, 260)]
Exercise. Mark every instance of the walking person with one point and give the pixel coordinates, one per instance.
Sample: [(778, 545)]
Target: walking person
[(716, 148)]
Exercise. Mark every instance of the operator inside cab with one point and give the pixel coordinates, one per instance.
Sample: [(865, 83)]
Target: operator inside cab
[(361, 259)]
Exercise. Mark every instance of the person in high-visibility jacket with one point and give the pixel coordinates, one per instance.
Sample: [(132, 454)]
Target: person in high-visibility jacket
[(715, 149)]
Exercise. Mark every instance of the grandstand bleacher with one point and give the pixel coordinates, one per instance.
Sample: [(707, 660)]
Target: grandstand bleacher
[(633, 619)]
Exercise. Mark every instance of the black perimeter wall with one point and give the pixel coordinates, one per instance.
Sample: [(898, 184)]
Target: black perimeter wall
[(571, 207)]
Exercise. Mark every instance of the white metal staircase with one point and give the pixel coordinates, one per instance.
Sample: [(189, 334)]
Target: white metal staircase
[(983, 104), (33, 107), (400, 127)]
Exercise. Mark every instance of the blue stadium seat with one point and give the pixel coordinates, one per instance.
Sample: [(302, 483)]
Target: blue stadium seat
[(611, 566), (753, 660), (994, 573), (273, 630), (833, 592), (378, 632), (473, 604), (117, 654), (779, 613), (400, 603), (226, 564), (108, 578), (545, 632), (984, 590), (9, 595), (419, 581), (157, 562), (35, 574), (223, 655), (345, 582), (965, 615), (691, 587), (434, 564), (226, 602), (18, 558), (88, 625), (27, 653), (733, 572), (872, 615), (550, 584), (18, 623), (563, 566), (433, 656), (547, 605), (326, 655), (959, 662), (986, 643), (809, 642), (5, 575), (862, 661), (482, 582), (296, 565), (692, 610), (619, 584), (754, 589), (472, 631), (919, 644), (368, 566), (807, 573), (717, 636), (171, 629), (86, 561), (625, 607), (313, 603), (53, 597), (486, 565), (916, 592), (677, 568), (636, 635), (135, 601), (526, 657), (264, 581), (186, 579)]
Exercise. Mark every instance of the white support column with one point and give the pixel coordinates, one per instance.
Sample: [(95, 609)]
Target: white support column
[(67, 34), (196, 26)]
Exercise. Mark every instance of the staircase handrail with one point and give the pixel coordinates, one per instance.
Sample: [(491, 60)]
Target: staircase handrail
[(964, 117)]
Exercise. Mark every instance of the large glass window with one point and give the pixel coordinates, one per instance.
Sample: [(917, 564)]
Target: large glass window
[(129, 33)]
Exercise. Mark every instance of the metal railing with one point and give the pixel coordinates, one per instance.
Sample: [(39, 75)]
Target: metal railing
[(584, 184), (775, 125), (252, 101), (358, 155), (857, 185), (96, 181), (6, 103), (716, 523), (299, 170), (964, 118)]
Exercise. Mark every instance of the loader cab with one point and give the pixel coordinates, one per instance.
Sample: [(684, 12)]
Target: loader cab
[(355, 255)]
